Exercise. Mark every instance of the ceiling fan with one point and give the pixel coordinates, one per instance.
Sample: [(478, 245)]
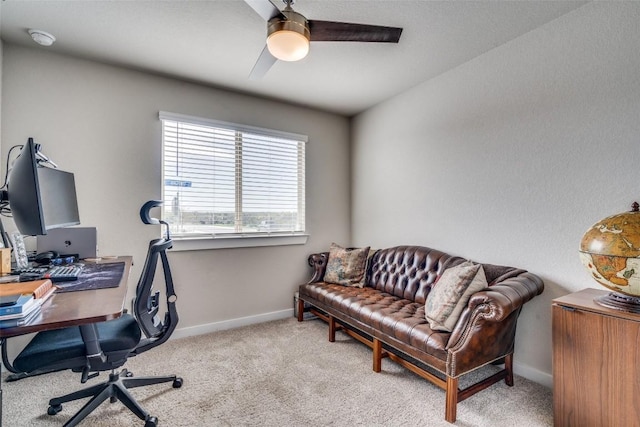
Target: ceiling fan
[(289, 34)]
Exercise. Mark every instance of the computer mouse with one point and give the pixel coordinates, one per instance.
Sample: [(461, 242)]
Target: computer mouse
[(45, 257)]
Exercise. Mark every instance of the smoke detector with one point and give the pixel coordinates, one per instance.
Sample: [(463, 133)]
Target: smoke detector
[(42, 37)]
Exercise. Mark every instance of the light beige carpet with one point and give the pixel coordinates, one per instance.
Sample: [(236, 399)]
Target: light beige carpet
[(281, 373)]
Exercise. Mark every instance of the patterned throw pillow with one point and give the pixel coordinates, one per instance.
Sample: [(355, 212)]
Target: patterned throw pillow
[(346, 266), (451, 293)]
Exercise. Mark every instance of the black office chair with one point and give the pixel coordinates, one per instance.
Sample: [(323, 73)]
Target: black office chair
[(105, 346)]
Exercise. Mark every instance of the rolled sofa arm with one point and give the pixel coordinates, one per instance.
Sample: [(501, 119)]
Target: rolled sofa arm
[(507, 296), (319, 264), (486, 329)]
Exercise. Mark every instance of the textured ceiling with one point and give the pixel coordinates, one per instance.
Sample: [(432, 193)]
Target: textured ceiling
[(217, 42)]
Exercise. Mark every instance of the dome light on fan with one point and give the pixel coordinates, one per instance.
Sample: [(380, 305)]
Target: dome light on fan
[(288, 39), (288, 45)]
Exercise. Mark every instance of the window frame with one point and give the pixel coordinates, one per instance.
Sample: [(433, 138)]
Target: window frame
[(201, 241)]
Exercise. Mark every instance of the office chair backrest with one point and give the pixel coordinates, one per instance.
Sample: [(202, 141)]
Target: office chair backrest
[(147, 303)]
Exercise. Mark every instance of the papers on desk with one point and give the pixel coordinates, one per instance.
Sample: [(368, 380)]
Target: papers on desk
[(20, 302)]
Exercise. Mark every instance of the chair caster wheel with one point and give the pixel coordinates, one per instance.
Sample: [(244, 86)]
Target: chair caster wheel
[(177, 383), (54, 409), (151, 421)]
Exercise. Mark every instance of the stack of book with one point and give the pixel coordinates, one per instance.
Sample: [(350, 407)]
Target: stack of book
[(20, 302)]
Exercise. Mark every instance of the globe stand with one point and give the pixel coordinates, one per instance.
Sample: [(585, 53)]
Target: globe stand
[(620, 302)]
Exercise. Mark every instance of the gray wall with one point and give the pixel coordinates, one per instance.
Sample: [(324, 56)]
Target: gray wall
[(509, 158), (101, 122)]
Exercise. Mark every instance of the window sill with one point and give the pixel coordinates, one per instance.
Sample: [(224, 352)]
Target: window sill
[(205, 243)]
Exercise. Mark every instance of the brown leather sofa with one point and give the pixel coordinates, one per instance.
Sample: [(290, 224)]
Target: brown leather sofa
[(388, 315)]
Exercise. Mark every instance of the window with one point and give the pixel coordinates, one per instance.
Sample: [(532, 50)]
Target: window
[(227, 180)]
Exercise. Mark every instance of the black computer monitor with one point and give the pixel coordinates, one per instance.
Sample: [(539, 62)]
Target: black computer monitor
[(40, 197)]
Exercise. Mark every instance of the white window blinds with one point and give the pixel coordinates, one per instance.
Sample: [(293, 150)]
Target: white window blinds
[(222, 179)]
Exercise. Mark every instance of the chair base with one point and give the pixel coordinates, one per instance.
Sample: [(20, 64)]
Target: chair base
[(114, 389)]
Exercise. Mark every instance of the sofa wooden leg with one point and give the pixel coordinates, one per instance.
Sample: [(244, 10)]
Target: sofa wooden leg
[(300, 310), (332, 329), (451, 399), (377, 355), (508, 366)]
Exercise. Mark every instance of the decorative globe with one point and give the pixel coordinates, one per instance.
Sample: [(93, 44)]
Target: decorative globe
[(610, 250)]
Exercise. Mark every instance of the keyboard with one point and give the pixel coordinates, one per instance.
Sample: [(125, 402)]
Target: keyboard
[(30, 273), (63, 273), (58, 273), (30, 270)]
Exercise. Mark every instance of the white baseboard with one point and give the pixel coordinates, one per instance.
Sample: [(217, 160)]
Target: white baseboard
[(533, 374), (231, 324)]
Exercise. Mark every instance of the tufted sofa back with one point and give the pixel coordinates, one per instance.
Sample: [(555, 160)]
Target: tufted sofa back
[(408, 271)]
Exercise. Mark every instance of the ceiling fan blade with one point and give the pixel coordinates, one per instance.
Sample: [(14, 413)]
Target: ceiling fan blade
[(326, 31), (263, 64), (265, 8)]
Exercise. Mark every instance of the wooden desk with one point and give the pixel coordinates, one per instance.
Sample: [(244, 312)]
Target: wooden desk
[(76, 308)]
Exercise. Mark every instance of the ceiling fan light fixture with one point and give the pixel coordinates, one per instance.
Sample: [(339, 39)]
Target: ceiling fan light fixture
[(288, 40), (288, 45)]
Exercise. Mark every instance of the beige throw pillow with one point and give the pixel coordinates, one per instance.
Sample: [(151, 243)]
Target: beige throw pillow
[(346, 266), (451, 293)]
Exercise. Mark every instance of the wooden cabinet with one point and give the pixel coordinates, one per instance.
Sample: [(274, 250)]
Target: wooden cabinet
[(596, 359)]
